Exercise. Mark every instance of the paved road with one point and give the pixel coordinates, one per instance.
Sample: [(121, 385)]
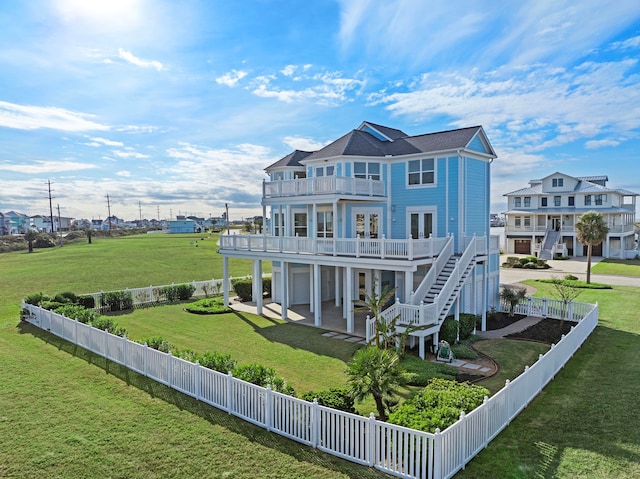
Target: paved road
[(560, 268)]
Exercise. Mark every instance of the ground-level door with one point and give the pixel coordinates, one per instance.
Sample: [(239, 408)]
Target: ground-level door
[(363, 283), (596, 250), (522, 246)]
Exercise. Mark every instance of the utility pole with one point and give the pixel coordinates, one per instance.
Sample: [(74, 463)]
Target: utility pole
[(140, 210), (109, 211), (226, 208), (59, 224), (50, 206), (158, 210)]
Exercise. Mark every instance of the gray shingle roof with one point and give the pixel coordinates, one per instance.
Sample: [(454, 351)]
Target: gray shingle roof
[(392, 133), (292, 159)]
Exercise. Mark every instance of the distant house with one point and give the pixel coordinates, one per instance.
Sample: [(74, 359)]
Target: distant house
[(541, 218), (183, 226), (378, 209), (16, 223), (4, 228)]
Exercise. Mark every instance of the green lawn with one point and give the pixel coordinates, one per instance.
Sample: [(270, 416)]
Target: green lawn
[(618, 267), (586, 423)]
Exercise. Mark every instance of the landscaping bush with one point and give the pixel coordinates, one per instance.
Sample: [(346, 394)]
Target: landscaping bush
[(43, 240), (517, 265), (87, 301), (438, 405), (222, 363), (36, 298), (571, 277), (336, 398), (449, 330), (577, 283), (109, 325), (186, 354), (213, 305), (262, 376), (157, 343), (66, 297), (421, 371), (74, 311), (243, 288), (266, 286), (467, 325), (50, 305), (462, 351), (116, 301), (170, 293)]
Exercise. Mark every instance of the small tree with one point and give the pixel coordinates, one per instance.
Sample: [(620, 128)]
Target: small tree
[(384, 332), (591, 231), (30, 236), (565, 293), (89, 233), (377, 372), (513, 297)]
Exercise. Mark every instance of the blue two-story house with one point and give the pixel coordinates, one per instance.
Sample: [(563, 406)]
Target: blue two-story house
[(377, 209)]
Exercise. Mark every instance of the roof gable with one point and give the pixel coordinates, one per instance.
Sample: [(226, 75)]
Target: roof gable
[(291, 160)]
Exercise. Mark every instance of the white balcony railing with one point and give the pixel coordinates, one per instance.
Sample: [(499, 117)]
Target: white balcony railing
[(323, 185), (382, 248)]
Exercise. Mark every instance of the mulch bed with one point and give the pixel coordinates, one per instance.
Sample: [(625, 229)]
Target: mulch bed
[(546, 331), (501, 320)]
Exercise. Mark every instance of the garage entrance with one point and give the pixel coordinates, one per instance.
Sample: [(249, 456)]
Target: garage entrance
[(596, 250), (522, 246)]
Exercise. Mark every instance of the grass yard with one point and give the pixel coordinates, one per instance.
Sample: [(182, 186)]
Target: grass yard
[(300, 354), (585, 424), (618, 267)]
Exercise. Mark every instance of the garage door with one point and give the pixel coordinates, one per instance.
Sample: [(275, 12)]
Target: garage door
[(595, 250), (522, 247)]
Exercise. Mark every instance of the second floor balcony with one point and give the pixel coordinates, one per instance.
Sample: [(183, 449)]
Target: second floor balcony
[(324, 185)]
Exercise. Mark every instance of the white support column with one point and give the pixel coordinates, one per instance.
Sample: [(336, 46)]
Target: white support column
[(377, 275), (284, 287), (337, 270), (312, 296), (348, 299), (317, 296), (257, 279), (485, 296), (225, 280), (408, 285)]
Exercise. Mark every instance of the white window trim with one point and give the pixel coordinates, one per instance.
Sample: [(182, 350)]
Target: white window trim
[(421, 185), (421, 209)]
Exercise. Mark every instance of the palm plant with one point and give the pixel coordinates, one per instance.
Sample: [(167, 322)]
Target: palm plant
[(30, 236), (377, 372), (513, 297), (384, 331), (591, 231)]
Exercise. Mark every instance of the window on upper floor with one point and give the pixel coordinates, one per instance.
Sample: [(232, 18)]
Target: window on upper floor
[(325, 170), (277, 176), (543, 201), (527, 221), (557, 201), (527, 201), (300, 224), (518, 221), (517, 202), (600, 198), (367, 170), (278, 227), (572, 200), (557, 182), (587, 200), (421, 172)]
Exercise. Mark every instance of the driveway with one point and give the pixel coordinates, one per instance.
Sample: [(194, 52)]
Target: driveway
[(560, 268)]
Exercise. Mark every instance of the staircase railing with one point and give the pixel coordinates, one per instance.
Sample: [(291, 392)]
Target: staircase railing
[(475, 245), (435, 270)]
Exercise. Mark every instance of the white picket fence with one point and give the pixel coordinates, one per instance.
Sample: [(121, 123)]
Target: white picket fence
[(395, 450)]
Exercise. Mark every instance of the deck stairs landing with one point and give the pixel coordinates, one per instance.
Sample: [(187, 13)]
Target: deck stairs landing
[(434, 292)]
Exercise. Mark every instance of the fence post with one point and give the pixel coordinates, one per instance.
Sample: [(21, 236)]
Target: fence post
[(268, 420), (485, 412), (197, 384), (545, 309), (372, 439), (75, 330), (463, 439), (169, 369), (106, 344), (570, 311), (315, 423), (507, 399), (145, 360), (382, 247), (437, 455), (229, 392)]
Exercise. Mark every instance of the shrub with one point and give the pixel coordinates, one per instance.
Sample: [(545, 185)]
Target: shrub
[(449, 330), (262, 376), (336, 398), (576, 283), (243, 288), (109, 325), (266, 286), (438, 405), (571, 277), (170, 293), (421, 371), (467, 325), (36, 298), (116, 301), (462, 351), (213, 305), (66, 297), (43, 240), (157, 343), (178, 292), (530, 266), (74, 311), (50, 305), (222, 363), (517, 265), (87, 301), (186, 354), (511, 260)]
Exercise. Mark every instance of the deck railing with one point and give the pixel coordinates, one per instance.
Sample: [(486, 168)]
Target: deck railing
[(382, 248), (323, 185)]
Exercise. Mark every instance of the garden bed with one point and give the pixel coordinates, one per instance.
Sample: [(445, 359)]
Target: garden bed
[(547, 330)]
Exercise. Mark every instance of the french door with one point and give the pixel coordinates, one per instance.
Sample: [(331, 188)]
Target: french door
[(420, 224), (367, 223)]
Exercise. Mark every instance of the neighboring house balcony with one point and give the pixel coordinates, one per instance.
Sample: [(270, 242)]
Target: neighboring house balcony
[(324, 185), (515, 230), (512, 229)]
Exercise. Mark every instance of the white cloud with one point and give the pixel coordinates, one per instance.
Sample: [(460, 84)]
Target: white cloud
[(629, 43), (231, 78), (41, 166), (594, 144), (289, 70), (29, 117), (131, 58), (304, 144), (125, 174), (129, 153), (97, 141)]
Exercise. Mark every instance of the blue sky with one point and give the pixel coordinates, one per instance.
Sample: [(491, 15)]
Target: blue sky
[(177, 107)]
